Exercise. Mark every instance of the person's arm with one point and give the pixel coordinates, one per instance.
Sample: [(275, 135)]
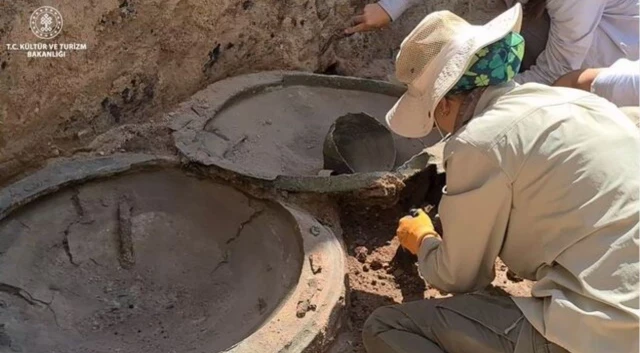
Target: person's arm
[(378, 15), (571, 34), (395, 8), (579, 79), (619, 83), (474, 213)]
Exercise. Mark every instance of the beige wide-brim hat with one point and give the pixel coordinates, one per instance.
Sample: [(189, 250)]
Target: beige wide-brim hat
[(433, 57)]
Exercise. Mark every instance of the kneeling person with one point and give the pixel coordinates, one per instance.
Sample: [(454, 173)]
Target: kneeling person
[(544, 177)]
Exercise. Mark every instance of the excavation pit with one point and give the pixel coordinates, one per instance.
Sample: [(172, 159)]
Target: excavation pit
[(271, 127), (93, 259)]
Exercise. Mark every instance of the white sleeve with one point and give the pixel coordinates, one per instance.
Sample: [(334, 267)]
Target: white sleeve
[(395, 8), (620, 83), (572, 30)]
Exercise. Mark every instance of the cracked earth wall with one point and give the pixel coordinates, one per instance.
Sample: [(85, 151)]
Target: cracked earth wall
[(144, 57)]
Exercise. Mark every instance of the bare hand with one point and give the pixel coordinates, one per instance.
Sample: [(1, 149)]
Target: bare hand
[(373, 17)]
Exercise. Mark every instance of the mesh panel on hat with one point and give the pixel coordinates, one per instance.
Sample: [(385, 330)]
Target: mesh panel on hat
[(425, 42)]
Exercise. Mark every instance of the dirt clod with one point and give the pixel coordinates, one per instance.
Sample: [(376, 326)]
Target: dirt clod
[(376, 265), (315, 263), (304, 306), (513, 277), (360, 253)]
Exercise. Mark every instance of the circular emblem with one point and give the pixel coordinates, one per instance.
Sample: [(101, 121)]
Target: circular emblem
[(46, 22)]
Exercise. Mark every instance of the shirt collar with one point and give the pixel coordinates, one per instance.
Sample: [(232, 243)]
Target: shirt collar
[(486, 98), (468, 108), (491, 95)]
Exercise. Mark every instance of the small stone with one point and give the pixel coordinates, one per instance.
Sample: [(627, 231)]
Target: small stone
[(287, 22), (376, 265), (365, 268), (268, 122), (315, 230), (315, 263), (285, 194), (303, 307), (374, 282), (361, 253), (82, 133)]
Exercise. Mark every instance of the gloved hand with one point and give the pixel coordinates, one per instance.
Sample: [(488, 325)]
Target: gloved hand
[(413, 229)]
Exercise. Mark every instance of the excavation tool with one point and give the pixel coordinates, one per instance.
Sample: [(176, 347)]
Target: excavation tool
[(358, 143)]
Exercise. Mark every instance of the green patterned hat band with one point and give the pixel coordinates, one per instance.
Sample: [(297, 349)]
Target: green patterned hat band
[(492, 65)]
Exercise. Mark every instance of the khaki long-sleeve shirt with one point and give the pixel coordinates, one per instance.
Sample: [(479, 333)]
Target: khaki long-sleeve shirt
[(548, 179)]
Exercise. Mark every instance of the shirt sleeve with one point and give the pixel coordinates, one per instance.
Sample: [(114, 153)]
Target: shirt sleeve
[(620, 83), (572, 31), (474, 212), (395, 8)]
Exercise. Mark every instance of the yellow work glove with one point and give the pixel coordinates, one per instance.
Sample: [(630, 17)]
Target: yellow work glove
[(412, 230)]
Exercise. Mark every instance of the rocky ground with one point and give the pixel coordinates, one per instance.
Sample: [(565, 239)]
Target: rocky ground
[(144, 57)]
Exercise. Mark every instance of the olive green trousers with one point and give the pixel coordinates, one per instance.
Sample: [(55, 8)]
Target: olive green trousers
[(469, 323)]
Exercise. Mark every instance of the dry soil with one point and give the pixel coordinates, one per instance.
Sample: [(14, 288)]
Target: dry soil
[(380, 274)]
